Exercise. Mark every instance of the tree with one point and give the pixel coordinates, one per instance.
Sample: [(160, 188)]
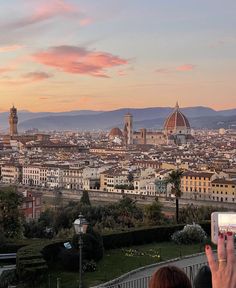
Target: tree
[(84, 200), (10, 218), (175, 179), (153, 213)]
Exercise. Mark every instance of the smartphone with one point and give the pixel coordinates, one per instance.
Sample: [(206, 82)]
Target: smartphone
[(222, 222)]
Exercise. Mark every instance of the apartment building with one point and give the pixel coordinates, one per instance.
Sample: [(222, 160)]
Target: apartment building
[(32, 205), (72, 178), (223, 190), (11, 173), (197, 185)]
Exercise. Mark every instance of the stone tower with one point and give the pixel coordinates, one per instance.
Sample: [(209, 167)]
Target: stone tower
[(13, 120), (128, 129)]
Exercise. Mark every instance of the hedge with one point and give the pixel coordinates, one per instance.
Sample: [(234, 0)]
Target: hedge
[(144, 235), (31, 261)]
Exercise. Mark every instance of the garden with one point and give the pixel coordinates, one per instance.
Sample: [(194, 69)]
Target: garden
[(121, 237)]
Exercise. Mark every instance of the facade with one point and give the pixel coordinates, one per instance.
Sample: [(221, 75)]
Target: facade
[(146, 137), (32, 205), (197, 185), (110, 179), (11, 174), (72, 178), (223, 190)]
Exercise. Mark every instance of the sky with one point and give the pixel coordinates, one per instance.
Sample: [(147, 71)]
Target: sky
[(62, 55)]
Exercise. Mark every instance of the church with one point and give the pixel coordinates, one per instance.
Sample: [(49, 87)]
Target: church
[(176, 131)]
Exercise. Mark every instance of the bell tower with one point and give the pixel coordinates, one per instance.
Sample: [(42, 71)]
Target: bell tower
[(128, 129), (13, 120)]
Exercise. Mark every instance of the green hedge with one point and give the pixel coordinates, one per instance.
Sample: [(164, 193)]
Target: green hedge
[(30, 260), (144, 235)]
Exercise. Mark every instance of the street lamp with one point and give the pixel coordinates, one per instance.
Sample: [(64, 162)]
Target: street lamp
[(80, 226)]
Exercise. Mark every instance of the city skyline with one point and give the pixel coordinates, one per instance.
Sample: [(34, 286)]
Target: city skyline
[(73, 55)]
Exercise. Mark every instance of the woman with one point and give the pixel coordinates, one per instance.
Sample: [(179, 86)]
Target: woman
[(223, 270), (169, 277)]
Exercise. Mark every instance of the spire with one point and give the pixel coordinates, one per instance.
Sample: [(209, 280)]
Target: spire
[(177, 106)]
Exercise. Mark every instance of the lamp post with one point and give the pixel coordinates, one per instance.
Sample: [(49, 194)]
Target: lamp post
[(80, 226)]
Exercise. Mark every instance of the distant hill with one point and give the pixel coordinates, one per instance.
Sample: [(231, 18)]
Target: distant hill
[(199, 117)]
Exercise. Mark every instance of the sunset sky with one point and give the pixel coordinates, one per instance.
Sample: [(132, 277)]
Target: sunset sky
[(60, 55)]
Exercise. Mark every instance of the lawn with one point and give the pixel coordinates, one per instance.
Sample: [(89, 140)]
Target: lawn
[(119, 261)]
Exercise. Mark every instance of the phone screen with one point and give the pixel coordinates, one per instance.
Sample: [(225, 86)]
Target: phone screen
[(227, 222)]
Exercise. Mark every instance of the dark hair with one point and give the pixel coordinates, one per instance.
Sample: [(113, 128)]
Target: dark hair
[(169, 277)]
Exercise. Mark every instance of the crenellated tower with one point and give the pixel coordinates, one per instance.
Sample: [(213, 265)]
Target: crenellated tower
[(13, 120)]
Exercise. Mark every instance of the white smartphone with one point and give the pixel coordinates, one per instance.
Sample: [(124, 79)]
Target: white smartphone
[(222, 222)]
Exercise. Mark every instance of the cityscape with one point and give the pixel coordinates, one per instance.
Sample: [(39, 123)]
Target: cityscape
[(117, 140)]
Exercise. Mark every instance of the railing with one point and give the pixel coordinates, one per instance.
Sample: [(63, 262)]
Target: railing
[(143, 282), (7, 256)]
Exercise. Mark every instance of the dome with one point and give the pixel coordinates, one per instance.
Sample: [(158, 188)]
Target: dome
[(115, 132), (176, 121)]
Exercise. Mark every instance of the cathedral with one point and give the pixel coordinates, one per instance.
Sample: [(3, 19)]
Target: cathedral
[(176, 131)]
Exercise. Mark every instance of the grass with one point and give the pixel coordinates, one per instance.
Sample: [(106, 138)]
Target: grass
[(115, 263)]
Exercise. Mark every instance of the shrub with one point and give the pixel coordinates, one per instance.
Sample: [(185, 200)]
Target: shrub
[(7, 278), (89, 266), (190, 234), (92, 245), (144, 235)]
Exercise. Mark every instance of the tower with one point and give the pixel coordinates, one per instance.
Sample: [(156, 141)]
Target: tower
[(128, 129), (13, 120)]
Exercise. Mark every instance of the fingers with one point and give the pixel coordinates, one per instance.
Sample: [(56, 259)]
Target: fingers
[(210, 258), (221, 251), (230, 248)]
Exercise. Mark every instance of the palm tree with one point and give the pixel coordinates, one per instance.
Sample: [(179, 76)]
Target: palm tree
[(175, 179)]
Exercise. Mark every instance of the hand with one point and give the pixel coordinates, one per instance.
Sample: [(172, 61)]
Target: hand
[(224, 270)]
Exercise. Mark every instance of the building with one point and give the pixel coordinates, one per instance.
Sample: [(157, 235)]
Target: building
[(197, 185), (176, 131), (128, 129), (177, 128), (11, 173), (223, 190), (13, 120), (72, 178), (32, 205)]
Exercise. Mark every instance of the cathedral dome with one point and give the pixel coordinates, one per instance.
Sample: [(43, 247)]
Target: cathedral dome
[(176, 122), (115, 132)]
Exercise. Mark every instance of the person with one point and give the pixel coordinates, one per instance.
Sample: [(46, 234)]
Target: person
[(203, 278), (169, 277), (224, 269)]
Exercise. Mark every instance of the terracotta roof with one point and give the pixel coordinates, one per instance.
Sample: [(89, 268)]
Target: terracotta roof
[(115, 132), (176, 119)]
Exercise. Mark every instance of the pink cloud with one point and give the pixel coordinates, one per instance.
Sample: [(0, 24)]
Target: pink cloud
[(45, 11), (185, 67), (181, 68), (36, 76), (27, 78), (10, 48), (77, 60)]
